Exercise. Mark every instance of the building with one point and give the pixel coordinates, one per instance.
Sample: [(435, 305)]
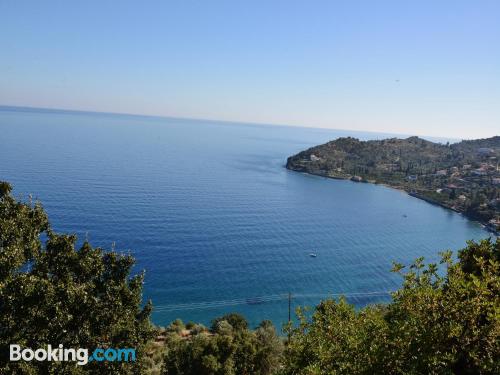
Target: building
[(314, 158), (494, 224)]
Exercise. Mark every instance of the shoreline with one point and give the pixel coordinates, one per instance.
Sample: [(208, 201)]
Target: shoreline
[(411, 194)]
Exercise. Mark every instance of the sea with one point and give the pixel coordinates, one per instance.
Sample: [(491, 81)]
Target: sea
[(212, 216)]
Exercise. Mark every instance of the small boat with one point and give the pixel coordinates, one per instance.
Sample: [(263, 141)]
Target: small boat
[(313, 255)]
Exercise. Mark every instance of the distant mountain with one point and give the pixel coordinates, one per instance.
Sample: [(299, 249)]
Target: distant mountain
[(463, 176)]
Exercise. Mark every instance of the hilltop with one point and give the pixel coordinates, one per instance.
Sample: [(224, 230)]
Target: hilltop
[(463, 176)]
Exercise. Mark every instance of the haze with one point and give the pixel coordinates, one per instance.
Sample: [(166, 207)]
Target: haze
[(425, 67)]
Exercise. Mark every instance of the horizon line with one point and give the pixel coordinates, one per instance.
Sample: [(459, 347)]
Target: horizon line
[(239, 122)]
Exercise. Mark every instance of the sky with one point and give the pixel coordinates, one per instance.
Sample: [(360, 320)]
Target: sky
[(421, 67)]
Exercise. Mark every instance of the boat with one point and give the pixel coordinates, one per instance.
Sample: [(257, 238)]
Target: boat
[(313, 255)]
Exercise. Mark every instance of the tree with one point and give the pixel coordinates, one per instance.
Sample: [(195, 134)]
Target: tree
[(237, 321), (53, 294), (453, 194), (434, 325), (225, 350)]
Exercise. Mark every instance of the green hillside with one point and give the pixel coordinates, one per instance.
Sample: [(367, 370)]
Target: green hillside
[(463, 176)]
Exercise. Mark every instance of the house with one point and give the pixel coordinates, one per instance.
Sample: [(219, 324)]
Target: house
[(442, 172), (314, 158), (412, 177)]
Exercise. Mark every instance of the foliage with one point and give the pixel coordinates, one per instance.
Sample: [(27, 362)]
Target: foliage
[(445, 319), (226, 349), (155, 351), (236, 321), (53, 294), (435, 324)]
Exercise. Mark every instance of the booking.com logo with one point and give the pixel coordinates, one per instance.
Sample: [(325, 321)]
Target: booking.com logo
[(62, 354)]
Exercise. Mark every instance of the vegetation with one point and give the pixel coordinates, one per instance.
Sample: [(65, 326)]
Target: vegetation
[(445, 319), (53, 294), (463, 176), (229, 347), (434, 325)]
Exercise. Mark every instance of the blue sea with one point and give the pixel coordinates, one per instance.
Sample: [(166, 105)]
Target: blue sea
[(213, 217)]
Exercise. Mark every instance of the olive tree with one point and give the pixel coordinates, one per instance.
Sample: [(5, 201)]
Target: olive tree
[(52, 293)]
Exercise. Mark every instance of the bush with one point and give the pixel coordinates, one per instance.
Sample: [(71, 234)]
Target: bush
[(227, 349), (237, 321), (434, 324)]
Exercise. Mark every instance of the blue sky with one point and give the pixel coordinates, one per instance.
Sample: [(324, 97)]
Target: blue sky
[(419, 67)]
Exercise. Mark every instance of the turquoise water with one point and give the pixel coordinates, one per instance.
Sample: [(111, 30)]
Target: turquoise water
[(212, 215)]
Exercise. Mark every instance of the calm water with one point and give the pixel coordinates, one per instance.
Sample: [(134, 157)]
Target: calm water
[(211, 214)]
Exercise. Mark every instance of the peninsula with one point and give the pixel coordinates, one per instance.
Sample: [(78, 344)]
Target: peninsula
[(463, 176)]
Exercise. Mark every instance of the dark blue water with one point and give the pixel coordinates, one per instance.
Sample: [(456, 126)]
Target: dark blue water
[(211, 214)]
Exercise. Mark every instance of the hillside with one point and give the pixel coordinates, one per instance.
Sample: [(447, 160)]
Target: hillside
[(463, 176)]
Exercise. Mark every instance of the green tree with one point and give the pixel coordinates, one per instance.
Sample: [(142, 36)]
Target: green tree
[(51, 293), (225, 350), (237, 321), (434, 325)]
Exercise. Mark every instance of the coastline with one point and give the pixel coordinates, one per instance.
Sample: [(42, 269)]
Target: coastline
[(402, 189)]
